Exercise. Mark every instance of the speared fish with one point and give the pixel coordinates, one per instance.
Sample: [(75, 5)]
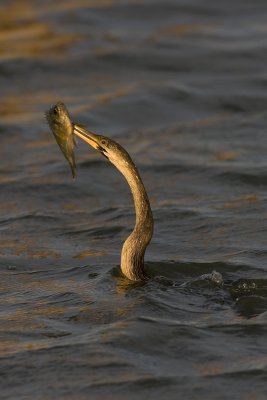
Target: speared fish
[(60, 123)]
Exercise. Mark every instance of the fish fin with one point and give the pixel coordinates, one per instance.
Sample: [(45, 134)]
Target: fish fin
[(73, 169)]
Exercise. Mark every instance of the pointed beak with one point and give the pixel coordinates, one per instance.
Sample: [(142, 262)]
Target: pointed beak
[(87, 136)]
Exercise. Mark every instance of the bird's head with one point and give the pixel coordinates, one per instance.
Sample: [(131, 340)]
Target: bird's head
[(114, 152)]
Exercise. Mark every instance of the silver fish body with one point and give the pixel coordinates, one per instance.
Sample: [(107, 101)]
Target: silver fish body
[(62, 127)]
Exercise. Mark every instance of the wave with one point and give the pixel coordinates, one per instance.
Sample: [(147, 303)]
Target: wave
[(96, 232), (245, 178)]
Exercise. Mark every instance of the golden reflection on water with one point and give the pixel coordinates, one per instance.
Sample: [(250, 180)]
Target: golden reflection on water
[(104, 98), (183, 29), (17, 10), (6, 179), (29, 247), (245, 365), (23, 36), (176, 31), (88, 253), (226, 155), (243, 201), (17, 323), (22, 106)]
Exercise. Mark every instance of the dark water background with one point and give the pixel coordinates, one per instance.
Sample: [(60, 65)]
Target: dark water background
[(182, 85)]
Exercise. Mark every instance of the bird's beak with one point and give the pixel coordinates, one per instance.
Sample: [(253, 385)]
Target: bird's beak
[(87, 136)]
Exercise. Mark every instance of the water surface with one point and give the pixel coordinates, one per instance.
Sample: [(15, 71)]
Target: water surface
[(182, 86)]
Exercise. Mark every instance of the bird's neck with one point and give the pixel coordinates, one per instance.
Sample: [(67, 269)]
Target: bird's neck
[(134, 247)]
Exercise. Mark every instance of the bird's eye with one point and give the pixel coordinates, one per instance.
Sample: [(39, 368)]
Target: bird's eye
[(103, 142), (55, 111)]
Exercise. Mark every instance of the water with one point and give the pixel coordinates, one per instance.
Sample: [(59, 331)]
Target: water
[(182, 86)]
